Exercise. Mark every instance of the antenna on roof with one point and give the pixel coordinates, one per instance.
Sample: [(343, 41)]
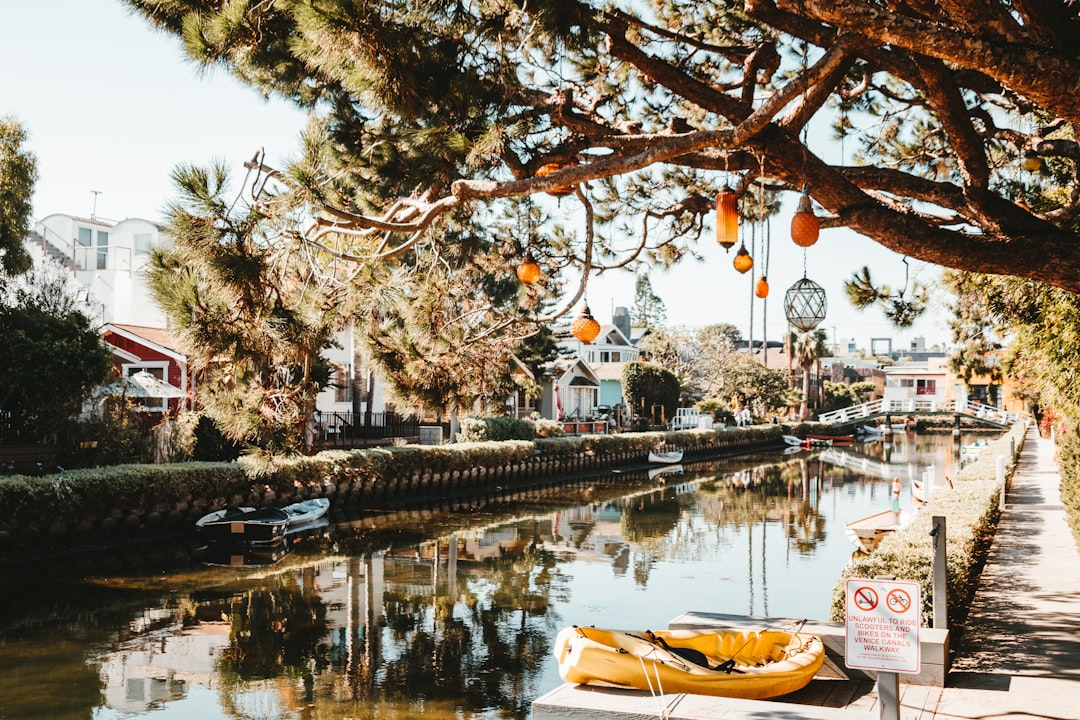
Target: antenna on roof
[(93, 208)]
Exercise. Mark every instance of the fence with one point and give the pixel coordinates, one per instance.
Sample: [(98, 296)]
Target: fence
[(349, 429)]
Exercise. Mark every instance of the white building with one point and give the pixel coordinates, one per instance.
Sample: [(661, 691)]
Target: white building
[(107, 261)]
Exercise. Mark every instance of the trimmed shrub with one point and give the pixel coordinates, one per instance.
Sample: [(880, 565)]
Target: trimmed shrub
[(971, 512)]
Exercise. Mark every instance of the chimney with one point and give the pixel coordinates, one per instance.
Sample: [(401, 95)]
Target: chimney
[(620, 318)]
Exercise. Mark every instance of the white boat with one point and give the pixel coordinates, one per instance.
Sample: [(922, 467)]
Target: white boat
[(865, 533), (306, 515), (917, 493), (974, 448), (869, 430), (665, 458)]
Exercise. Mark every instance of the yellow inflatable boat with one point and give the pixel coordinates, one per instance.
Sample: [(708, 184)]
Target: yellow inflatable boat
[(731, 663)]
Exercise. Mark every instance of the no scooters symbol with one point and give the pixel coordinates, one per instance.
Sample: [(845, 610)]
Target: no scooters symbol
[(865, 599)]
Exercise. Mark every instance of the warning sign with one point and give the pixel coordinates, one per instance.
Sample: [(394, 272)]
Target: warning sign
[(882, 621)]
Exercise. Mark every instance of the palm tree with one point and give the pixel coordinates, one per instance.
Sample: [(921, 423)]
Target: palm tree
[(807, 349)]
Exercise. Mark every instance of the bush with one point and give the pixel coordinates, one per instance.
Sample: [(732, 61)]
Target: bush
[(971, 512), (495, 429), (544, 428)]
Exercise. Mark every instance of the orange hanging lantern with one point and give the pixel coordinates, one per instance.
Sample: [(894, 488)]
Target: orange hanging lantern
[(528, 271), (743, 262), (761, 288), (727, 217), (1031, 161), (805, 224), (585, 327), (547, 169)]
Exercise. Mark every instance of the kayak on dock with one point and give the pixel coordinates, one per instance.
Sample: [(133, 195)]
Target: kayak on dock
[(730, 663)]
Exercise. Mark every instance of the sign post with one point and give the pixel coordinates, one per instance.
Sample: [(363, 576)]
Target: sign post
[(882, 619)]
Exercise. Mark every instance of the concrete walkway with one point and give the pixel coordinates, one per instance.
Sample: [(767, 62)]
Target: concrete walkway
[(1019, 656)]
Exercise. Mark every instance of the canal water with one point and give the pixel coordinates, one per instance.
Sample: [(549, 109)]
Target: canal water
[(444, 612)]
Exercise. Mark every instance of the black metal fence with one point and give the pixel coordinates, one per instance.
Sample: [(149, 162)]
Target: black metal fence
[(349, 429)]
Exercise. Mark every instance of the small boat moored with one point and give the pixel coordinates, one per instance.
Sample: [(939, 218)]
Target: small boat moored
[(665, 458), (865, 533), (730, 663), (306, 515), (255, 526)]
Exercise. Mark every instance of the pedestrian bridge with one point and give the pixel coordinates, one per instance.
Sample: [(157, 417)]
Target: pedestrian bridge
[(857, 414)]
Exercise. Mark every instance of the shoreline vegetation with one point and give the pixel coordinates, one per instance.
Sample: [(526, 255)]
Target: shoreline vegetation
[(127, 503)]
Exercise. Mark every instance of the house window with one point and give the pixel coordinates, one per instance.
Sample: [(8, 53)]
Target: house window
[(84, 238), (160, 371), (142, 242), (926, 387), (907, 382), (343, 387)]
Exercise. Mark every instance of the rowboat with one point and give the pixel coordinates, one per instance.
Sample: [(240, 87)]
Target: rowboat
[(867, 532), (731, 663), (917, 493), (254, 526), (305, 515), (974, 448), (832, 439), (806, 442), (665, 458)]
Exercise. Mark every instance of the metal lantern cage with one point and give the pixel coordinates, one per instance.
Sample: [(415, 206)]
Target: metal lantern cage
[(805, 305)]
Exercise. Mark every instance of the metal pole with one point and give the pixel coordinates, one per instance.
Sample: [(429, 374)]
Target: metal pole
[(1001, 479), (941, 598), (889, 695)]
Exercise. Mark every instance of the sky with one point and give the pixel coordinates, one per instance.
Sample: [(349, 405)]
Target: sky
[(112, 106)]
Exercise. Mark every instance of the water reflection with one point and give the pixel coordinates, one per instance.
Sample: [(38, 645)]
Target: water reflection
[(434, 612)]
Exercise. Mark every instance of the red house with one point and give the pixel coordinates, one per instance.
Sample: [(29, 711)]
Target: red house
[(138, 349)]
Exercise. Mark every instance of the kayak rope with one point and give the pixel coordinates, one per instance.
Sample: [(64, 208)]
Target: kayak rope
[(658, 694)]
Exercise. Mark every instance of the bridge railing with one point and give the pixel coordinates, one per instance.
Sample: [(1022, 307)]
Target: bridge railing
[(911, 406)]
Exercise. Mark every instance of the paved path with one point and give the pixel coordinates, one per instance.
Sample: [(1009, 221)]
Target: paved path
[(1020, 654)]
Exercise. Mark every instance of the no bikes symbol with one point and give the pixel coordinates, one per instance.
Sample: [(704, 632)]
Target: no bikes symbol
[(898, 601)]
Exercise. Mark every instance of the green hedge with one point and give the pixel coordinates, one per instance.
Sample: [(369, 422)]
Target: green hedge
[(971, 513), (1069, 462), (132, 492)]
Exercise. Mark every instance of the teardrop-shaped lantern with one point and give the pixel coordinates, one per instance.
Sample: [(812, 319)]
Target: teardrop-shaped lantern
[(743, 262), (727, 217), (528, 271), (1031, 162), (761, 287), (547, 169), (585, 327), (805, 224)]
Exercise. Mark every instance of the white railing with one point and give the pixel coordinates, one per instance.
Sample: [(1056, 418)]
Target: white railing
[(915, 406)]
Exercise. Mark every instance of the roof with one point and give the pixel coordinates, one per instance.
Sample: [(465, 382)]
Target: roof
[(609, 371), (155, 336)]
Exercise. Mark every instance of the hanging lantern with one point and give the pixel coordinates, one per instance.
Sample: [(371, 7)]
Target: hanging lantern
[(1031, 162), (549, 168), (727, 217), (528, 271), (585, 328), (761, 287), (805, 305), (743, 262), (805, 224)]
